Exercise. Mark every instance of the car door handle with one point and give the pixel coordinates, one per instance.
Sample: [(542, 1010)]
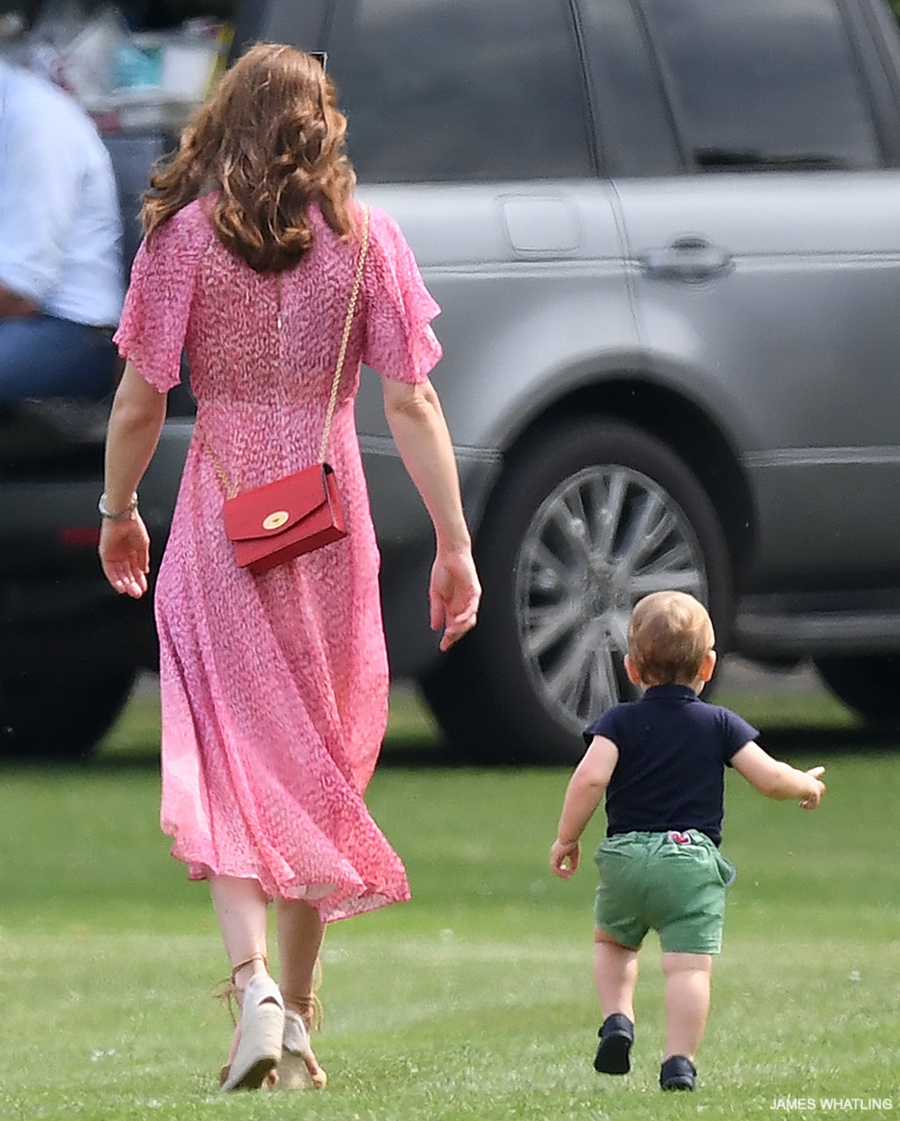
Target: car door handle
[(687, 258)]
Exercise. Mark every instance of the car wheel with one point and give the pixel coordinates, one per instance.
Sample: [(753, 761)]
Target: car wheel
[(867, 684), (58, 716), (589, 517)]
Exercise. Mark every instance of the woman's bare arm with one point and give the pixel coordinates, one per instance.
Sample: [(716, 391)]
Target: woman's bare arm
[(420, 432)]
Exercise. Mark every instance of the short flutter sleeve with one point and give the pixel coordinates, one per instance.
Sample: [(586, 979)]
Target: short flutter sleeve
[(158, 302), (400, 343)]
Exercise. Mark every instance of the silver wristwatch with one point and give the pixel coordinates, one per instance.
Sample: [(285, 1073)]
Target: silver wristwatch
[(117, 515)]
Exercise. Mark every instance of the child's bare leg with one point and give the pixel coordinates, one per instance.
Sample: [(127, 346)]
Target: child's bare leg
[(615, 975), (687, 1001), (300, 934)]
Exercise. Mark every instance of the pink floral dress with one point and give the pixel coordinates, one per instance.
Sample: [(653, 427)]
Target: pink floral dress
[(274, 687)]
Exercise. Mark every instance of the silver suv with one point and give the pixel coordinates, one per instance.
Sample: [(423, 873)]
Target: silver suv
[(664, 236)]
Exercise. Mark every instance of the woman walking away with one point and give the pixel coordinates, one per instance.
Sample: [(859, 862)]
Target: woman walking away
[(274, 684)]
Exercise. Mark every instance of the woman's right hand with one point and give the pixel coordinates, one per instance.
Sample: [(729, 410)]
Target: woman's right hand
[(454, 593), (125, 554)]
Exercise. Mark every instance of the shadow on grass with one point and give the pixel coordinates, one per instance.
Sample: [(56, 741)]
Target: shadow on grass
[(810, 723), (433, 753), (781, 741), (836, 741)]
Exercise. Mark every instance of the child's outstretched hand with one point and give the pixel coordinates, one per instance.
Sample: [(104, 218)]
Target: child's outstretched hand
[(564, 857), (814, 796)]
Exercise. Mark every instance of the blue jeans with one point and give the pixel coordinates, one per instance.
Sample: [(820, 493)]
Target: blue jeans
[(41, 356)]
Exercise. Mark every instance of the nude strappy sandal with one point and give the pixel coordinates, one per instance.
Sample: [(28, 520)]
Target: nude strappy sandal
[(299, 1069), (261, 1028)]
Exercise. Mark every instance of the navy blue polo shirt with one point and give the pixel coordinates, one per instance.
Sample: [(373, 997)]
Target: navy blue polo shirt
[(673, 750)]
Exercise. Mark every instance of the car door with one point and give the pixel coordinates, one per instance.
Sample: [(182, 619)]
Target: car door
[(766, 267)]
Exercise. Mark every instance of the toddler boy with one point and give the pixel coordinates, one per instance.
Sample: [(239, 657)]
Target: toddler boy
[(660, 762)]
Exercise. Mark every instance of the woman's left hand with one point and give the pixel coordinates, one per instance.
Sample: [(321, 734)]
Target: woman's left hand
[(455, 594), (125, 555)]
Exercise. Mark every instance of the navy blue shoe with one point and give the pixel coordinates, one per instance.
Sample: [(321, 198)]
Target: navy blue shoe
[(616, 1038), (678, 1073)]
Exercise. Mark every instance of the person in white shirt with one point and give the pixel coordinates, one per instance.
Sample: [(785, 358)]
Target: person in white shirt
[(61, 282)]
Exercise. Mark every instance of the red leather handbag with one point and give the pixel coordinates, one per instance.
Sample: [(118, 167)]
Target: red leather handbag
[(282, 520), (278, 521)]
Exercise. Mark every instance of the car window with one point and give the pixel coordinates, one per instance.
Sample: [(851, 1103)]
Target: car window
[(461, 90), (768, 84), (300, 24), (635, 125)]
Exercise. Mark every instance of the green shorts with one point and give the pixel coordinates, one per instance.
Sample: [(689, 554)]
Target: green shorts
[(656, 881)]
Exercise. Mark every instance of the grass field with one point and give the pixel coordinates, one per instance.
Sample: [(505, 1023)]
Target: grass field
[(475, 1000)]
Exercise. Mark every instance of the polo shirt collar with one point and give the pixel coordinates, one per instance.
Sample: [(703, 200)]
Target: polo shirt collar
[(670, 692)]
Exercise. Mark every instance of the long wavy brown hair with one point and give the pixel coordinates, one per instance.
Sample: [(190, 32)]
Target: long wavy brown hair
[(266, 144)]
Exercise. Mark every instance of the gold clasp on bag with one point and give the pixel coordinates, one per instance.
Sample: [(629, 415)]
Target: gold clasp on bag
[(275, 520)]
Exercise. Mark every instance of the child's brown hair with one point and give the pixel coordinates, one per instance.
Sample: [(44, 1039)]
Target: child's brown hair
[(669, 636)]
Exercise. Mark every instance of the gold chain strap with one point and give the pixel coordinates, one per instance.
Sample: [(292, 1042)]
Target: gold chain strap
[(348, 323), (230, 488)]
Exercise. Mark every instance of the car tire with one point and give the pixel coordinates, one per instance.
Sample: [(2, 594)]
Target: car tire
[(867, 684), (589, 516), (55, 715)]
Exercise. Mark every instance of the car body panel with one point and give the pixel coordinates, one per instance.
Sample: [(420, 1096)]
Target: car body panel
[(793, 346), (520, 325)]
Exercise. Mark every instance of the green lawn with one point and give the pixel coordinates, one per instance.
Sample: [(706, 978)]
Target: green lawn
[(475, 1000)]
